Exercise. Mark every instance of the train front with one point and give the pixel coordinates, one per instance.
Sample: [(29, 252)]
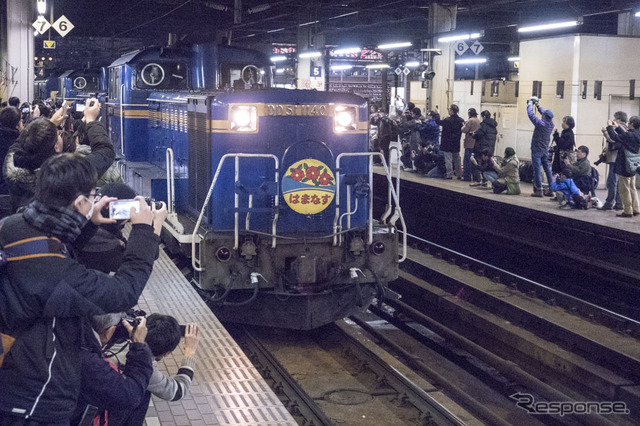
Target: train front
[(290, 240)]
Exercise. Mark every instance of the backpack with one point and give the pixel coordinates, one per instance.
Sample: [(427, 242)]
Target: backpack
[(25, 249), (595, 178), (526, 172), (428, 130)]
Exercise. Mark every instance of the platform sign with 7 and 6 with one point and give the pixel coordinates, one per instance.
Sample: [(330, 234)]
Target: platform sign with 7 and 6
[(476, 47), (62, 26)]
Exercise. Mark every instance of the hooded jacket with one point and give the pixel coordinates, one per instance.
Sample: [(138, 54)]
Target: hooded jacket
[(42, 303), (542, 130), (486, 136)]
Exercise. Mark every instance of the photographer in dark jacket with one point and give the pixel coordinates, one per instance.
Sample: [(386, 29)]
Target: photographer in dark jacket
[(630, 141), (104, 390), (450, 141), (485, 138), (540, 145), (613, 201), (44, 298), (565, 145)]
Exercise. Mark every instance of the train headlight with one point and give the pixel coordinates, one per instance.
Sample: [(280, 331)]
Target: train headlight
[(244, 118), (345, 119)]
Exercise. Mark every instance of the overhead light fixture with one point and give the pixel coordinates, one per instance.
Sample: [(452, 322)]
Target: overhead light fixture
[(341, 67), (308, 23), (551, 26), (377, 66), (310, 54), (412, 64), (42, 6), (395, 45), (637, 15), (513, 58), (280, 71), (470, 61), (275, 31), (347, 50), (459, 37), (278, 58)]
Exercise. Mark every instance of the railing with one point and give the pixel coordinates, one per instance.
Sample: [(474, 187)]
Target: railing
[(122, 119), (392, 191), (195, 262)]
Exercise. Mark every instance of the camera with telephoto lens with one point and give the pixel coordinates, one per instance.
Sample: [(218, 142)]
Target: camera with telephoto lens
[(121, 334), (152, 202), (534, 100)]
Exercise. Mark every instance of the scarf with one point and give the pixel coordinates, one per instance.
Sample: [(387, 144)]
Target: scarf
[(61, 222)]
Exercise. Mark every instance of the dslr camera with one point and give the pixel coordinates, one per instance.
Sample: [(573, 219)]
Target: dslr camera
[(534, 100), (121, 334), (601, 159)]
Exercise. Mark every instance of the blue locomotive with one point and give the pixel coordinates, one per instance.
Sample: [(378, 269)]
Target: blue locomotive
[(46, 87), (76, 86), (269, 190)]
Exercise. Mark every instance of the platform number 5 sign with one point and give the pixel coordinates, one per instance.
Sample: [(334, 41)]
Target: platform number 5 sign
[(316, 71)]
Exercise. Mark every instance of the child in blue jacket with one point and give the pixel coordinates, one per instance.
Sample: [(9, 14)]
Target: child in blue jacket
[(566, 190)]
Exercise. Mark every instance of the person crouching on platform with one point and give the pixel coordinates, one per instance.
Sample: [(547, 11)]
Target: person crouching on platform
[(508, 172), (567, 192)]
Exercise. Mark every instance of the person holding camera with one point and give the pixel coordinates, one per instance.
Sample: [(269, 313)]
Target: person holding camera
[(45, 295), (104, 390), (10, 128), (163, 337), (609, 154), (540, 145), (567, 193), (581, 170), (450, 141), (508, 172), (624, 142), (565, 144), (469, 128)]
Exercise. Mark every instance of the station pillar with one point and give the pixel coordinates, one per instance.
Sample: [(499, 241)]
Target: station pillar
[(17, 49), (311, 72), (440, 89)]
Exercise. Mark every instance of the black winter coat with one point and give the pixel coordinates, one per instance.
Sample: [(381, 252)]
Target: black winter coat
[(566, 141), (629, 140), (486, 136), (7, 137), (451, 133), (103, 386), (42, 303)]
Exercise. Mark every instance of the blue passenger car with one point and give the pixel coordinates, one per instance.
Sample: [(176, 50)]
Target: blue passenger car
[(46, 87), (269, 189)]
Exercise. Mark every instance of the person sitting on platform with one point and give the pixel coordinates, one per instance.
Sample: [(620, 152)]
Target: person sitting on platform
[(483, 166), (508, 172), (163, 337), (567, 193), (581, 170), (103, 389)]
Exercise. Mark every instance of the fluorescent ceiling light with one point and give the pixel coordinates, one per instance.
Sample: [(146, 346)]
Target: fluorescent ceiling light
[(552, 26), (311, 54), (278, 58), (275, 31), (42, 6), (471, 61), (377, 66), (280, 71), (457, 37), (637, 14), (341, 67), (513, 58), (343, 15), (308, 23), (412, 64), (347, 50), (395, 45)]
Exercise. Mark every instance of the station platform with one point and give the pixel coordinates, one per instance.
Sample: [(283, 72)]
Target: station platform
[(227, 389)]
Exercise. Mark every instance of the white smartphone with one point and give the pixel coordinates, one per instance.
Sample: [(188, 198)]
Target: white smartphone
[(121, 209), (79, 107)]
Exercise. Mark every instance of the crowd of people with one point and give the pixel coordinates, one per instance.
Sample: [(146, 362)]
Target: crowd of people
[(431, 146), (68, 277)]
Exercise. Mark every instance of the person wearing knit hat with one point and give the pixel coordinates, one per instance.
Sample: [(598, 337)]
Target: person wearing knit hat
[(540, 146)]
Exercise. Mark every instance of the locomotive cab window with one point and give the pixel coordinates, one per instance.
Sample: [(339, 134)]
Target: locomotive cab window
[(241, 76), (162, 75), (86, 82)]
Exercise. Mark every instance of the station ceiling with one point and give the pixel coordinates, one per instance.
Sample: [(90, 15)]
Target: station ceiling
[(359, 22)]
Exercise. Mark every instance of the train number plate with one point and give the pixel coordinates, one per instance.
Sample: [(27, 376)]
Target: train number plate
[(297, 110)]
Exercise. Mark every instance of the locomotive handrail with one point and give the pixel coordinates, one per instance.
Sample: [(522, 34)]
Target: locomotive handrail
[(393, 193), (389, 208), (236, 234), (122, 119), (171, 191)]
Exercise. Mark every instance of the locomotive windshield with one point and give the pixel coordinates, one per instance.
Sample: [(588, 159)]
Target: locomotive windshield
[(86, 82), (162, 75), (242, 76)]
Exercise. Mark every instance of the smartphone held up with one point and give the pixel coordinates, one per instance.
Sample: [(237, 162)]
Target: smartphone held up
[(121, 209)]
